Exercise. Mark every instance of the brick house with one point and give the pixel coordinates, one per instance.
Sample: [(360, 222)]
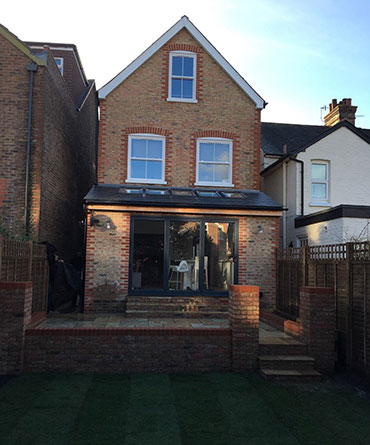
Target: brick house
[(320, 175), (48, 138), (177, 210)]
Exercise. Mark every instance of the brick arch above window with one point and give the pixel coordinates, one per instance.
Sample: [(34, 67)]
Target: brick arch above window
[(198, 50), (215, 134), (142, 130)]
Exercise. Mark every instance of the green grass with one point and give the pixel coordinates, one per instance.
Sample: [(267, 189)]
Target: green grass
[(215, 408)]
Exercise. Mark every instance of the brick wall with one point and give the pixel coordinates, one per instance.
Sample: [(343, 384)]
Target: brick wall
[(107, 260), (127, 350), (317, 312), (63, 144), (15, 315), (244, 320), (14, 87), (257, 256), (141, 101)]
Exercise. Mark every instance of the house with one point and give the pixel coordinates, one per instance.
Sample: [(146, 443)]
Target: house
[(177, 210), (320, 175), (48, 141)]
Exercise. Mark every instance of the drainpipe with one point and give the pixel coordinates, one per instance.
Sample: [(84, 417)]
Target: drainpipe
[(302, 183), (284, 203), (31, 68)]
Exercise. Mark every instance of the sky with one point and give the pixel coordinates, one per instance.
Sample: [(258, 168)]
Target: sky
[(297, 54)]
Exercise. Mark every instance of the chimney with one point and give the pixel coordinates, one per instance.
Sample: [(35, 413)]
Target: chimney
[(339, 111)]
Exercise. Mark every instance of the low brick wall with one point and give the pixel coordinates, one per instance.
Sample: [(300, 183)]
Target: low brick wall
[(317, 311), (244, 320), (122, 350), (15, 315)]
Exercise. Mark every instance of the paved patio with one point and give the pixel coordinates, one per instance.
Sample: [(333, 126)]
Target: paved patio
[(267, 333)]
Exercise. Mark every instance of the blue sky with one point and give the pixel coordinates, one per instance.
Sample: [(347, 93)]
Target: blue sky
[(298, 55)]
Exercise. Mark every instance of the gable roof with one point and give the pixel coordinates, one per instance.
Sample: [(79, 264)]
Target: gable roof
[(184, 22), (285, 134), (14, 40)]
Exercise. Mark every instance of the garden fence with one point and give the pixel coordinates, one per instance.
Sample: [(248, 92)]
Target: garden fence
[(346, 269), (26, 261)]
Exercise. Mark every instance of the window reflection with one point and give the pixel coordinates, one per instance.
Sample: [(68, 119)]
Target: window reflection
[(184, 255), (219, 255)]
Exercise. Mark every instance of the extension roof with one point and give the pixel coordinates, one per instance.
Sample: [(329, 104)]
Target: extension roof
[(184, 22), (115, 194)]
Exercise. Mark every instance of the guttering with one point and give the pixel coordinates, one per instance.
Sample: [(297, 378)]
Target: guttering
[(31, 68), (302, 181)]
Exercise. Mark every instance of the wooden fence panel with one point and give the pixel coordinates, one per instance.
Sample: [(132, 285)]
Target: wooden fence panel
[(25, 261), (346, 269)]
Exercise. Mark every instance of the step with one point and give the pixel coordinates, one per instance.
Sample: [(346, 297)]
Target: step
[(173, 307), (281, 347), (296, 362), (291, 375), (131, 313)]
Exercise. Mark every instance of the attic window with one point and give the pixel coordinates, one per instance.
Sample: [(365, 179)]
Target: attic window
[(60, 62), (182, 77)]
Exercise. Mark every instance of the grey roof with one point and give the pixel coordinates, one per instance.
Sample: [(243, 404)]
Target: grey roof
[(297, 137), (115, 194), (275, 135)]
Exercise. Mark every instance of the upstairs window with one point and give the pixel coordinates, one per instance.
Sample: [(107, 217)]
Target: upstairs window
[(182, 78), (146, 158), (214, 162), (319, 182), (59, 61)]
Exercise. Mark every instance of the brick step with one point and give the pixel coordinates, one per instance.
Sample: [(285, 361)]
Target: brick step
[(132, 313), (294, 348), (291, 375), (281, 362)]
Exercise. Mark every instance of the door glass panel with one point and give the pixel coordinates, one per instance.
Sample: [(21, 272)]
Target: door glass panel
[(183, 255), (219, 252), (148, 247)]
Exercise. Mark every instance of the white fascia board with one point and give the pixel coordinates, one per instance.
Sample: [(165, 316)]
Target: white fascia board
[(184, 22)]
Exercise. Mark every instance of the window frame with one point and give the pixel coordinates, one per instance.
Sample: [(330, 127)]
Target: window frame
[(146, 136), (215, 140), (173, 54), (173, 217), (61, 65), (319, 201)]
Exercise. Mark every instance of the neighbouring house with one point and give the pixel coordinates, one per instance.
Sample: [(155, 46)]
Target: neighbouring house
[(177, 210), (320, 175), (48, 138)]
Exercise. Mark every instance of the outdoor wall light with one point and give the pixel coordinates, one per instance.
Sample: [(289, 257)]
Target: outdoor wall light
[(102, 222), (260, 229)]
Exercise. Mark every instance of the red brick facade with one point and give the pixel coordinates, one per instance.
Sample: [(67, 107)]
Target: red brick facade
[(63, 142), (141, 101), (140, 105)]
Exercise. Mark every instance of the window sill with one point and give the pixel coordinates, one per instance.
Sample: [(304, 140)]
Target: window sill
[(145, 181), (214, 184), (320, 204), (173, 99)]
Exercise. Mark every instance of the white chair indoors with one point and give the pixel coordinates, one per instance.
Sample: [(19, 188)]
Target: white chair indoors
[(182, 268)]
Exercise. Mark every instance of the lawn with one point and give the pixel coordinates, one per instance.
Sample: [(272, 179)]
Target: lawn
[(215, 408)]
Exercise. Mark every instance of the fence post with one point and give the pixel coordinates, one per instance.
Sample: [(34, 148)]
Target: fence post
[(30, 253), (349, 305), (305, 258)]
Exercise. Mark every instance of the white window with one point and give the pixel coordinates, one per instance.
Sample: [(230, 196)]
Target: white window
[(182, 77), (146, 158), (214, 162), (319, 181), (59, 61), (302, 241)]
